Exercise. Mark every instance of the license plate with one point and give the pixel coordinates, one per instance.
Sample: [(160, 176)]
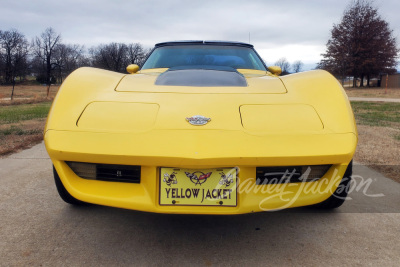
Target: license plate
[(205, 187)]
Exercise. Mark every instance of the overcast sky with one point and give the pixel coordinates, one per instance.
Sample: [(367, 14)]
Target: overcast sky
[(297, 30)]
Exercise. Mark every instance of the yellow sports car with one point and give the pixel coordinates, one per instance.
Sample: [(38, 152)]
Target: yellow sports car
[(202, 128)]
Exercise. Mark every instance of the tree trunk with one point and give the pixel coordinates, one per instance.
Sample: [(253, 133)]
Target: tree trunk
[(362, 80), (48, 75), (48, 90), (48, 71), (12, 91), (354, 81), (8, 68), (368, 80)]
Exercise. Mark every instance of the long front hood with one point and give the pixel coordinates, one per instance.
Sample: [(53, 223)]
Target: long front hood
[(88, 101)]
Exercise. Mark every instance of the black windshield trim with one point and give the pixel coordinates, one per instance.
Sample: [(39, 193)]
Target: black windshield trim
[(225, 43), (203, 67)]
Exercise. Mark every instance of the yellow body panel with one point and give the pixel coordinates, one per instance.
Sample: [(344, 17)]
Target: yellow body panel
[(105, 117), (102, 116), (285, 118)]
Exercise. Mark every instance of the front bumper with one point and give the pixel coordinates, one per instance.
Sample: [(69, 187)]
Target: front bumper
[(200, 149)]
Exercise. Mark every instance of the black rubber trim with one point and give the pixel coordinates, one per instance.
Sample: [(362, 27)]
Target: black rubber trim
[(339, 196), (64, 194), (197, 42)]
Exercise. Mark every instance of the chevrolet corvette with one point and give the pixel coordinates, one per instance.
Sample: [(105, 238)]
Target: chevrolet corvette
[(203, 127)]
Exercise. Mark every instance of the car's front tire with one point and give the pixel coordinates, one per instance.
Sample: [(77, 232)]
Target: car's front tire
[(62, 191), (340, 194)]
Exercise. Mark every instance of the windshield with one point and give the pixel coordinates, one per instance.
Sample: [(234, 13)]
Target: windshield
[(204, 55)]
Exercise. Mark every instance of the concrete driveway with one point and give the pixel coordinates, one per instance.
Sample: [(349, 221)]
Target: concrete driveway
[(38, 228)]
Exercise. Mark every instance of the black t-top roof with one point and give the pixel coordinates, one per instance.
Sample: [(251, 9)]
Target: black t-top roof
[(195, 42)]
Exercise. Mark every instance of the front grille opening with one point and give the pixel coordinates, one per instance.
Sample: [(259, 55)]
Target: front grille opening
[(290, 174), (106, 172)]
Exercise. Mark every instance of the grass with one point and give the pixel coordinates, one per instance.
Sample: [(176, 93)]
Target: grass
[(21, 126), (377, 114), (18, 131), (17, 113), (379, 135), (373, 92), (26, 94)]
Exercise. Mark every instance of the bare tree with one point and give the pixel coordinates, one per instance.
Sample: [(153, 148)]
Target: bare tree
[(14, 48), (284, 65), (67, 59), (117, 56), (1, 55), (44, 49), (136, 54), (14, 52), (361, 45), (110, 57), (52, 60), (297, 66)]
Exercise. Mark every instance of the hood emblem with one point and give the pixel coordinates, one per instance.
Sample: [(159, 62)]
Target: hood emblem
[(198, 120)]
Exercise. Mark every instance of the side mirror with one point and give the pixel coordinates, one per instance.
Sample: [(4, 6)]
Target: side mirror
[(275, 70), (133, 68)]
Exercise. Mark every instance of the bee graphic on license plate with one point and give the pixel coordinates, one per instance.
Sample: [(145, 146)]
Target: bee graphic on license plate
[(226, 180), (170, 178)]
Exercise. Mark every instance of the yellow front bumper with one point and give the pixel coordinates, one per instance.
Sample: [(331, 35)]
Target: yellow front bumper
[(200, 149)]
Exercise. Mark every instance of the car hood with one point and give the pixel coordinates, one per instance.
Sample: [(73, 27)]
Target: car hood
[(207, 81), (109, 102)]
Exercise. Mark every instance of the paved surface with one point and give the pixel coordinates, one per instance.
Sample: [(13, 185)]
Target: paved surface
[(37, 228), (375, 99)]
